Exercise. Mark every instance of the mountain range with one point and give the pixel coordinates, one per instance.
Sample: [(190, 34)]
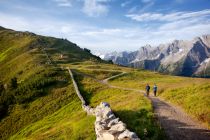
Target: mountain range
[(181, 57)]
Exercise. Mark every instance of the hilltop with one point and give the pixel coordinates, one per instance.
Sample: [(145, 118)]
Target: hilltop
[(40, 86)]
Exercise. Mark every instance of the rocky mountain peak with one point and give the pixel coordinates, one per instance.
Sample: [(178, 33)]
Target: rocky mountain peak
[(206, 40), (180, 57)]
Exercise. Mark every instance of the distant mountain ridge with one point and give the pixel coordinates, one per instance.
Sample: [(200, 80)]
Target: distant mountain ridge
[(181, 57)]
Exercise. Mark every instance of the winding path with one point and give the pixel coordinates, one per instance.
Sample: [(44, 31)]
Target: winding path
[(177, 124)]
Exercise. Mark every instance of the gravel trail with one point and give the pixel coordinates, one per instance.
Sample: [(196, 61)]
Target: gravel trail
[(177, 124)]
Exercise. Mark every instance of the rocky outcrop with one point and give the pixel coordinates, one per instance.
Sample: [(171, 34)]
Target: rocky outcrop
[(181, 57), (107, 125)]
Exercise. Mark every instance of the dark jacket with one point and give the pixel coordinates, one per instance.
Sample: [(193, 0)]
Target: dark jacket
[(147, 88)]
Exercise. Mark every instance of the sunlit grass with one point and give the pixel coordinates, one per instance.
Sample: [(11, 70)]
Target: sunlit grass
[(56, 113), (43, 88), (131, 107), (99, 74), (70, 122), (192, 94), (194, 99)]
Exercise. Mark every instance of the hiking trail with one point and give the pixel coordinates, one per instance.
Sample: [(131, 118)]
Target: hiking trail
[(177, 124)]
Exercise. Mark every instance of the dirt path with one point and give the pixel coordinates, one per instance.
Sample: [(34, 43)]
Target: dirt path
[(115, 76), (177, 124)]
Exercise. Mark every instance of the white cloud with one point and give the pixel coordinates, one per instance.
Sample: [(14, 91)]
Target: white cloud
[(168, 17), (109, 39), (124, 4), (63, 3), (95, 8), (141, 9), (147, 6), (132, 9)]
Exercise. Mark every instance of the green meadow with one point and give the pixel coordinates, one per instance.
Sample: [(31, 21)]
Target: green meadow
[(192, 94), (42, 103)]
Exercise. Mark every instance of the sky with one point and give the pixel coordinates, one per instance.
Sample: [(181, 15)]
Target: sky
[(109, 25)]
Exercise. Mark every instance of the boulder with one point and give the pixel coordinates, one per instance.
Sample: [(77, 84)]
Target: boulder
[(99, 127), (107, 112), (108, 136), (113, 122), (98, 119), (120, 126), (128, 135)]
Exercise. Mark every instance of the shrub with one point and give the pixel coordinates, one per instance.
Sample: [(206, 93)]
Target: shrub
[(13, 83), (87, 50), (1, 87)]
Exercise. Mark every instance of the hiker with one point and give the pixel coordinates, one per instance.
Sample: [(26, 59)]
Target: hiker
[(155, 89), (147, 89)]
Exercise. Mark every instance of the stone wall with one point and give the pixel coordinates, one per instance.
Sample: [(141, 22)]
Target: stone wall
[(107, 125), (76, 88)]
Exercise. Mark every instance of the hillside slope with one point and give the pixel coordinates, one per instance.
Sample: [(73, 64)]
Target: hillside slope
[(42, 87), (42, 104)]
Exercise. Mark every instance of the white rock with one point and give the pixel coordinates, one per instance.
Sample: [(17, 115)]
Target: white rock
[(108, 136), (113, 122), (120, 126), (98, 119), (99, 126), (129, 135), (104, 104), (98, 113), (107, 112), (112, 116), (107, 126), (91, 111)]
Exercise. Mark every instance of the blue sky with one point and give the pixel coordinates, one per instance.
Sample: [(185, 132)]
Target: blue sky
[(109, 25)]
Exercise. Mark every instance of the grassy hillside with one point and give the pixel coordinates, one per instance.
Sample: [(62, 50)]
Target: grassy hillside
[(42, 87), (192, 94), (42, 104), (137, 112)]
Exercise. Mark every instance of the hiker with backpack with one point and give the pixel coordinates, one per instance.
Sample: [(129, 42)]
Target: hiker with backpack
[(147, 89), (155, 89)]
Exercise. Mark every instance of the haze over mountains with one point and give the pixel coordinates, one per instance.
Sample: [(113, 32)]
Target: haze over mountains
[(180, 57)]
